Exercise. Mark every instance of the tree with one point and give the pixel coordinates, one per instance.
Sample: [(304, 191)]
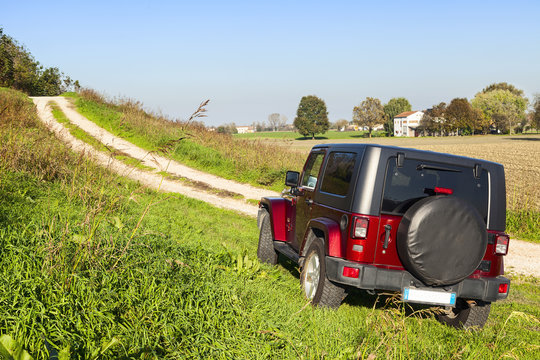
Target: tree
[(311, 116), (341, 124), (463, 117), (433, 121), (394, 107), (274, 121), (536, 113), (503, 108), (227, 129), (369, 113), (19, 70), (503, 86), (282, 121)]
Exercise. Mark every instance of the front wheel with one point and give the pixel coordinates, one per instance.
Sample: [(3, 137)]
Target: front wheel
[(317, 288), (265, 251), (466, 314)]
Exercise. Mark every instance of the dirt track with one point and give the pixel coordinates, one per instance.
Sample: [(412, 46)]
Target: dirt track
[(523, 256), (150, 179)]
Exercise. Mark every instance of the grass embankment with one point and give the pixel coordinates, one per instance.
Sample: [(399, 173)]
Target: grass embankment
[(193, 145), (93, 266), (82, 135)]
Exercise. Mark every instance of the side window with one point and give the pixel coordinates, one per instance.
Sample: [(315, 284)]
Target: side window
[(338, 174), (313, 167)]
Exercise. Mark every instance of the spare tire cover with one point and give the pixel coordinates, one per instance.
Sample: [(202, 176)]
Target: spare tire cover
[(441, 240)]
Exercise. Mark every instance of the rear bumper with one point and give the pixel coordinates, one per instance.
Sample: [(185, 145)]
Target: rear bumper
[(374, 278)]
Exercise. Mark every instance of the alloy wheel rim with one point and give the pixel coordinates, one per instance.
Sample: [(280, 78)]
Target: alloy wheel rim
[(312, 275)]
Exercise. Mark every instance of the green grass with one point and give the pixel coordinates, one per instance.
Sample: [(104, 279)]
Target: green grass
[(524, 224), (93, 266), (290, 135), (82, 135), (218, 154)]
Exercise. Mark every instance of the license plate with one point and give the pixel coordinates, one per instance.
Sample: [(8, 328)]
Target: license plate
[(434, 297)]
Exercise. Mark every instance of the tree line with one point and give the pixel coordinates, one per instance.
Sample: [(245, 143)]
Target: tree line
[(19, 70), (500, 108)]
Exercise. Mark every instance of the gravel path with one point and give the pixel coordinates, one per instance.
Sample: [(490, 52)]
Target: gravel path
[(523, 257), (147, 178), (154, 160)]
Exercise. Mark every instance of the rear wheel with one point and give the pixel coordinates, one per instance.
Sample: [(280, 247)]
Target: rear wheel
[(317, 288), (466, 314), (265, 251)]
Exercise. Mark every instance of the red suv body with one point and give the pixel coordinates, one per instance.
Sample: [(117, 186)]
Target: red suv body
[(428, 225)]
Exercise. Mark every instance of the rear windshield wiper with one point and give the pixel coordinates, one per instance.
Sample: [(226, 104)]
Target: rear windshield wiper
[(435, 167)]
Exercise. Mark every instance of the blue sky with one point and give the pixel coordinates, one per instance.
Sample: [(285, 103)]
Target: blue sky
[(253, 58)]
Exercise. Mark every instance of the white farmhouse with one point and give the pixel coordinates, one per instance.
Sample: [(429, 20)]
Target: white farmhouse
[(245, 129), (405, 124)]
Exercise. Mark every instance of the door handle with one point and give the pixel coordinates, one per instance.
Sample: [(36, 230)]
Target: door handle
[(309, 202), (387, 229)]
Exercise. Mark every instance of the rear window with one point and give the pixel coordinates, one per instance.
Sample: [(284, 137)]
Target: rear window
[(418, 179), (338, 173)]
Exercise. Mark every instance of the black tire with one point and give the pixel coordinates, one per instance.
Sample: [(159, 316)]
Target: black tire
[(467, 314), (265, 251), (441, 240), (323, 292)]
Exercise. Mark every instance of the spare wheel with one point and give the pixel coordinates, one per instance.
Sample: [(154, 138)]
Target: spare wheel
[(441, 240)]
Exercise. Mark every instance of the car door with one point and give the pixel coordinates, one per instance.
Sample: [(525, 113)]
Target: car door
[(304, 203)]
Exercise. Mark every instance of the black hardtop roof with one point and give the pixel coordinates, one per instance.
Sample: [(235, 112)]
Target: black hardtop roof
[(409, 152)]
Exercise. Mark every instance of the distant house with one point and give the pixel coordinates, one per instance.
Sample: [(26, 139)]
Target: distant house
[(405, 124), (245, 129)]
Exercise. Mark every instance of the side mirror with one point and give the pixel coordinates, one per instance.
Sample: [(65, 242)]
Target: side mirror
[(291, 179)]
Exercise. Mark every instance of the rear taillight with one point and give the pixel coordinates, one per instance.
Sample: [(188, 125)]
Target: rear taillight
[(501, 244), (360, 227), (351, 272), (503, 288)]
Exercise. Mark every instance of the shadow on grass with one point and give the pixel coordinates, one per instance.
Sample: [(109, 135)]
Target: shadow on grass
[(525, 138), (302, 138), (361, 298)]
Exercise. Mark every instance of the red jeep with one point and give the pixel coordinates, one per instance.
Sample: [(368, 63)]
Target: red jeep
[(426, 224)]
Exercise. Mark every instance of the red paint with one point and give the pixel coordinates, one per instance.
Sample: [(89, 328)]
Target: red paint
[(368, 244), (277, 209), (339, 243), (389, 256), (332, 235)]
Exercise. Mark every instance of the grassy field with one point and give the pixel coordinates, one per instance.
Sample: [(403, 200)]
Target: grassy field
[(94, 266), (289, 135)]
